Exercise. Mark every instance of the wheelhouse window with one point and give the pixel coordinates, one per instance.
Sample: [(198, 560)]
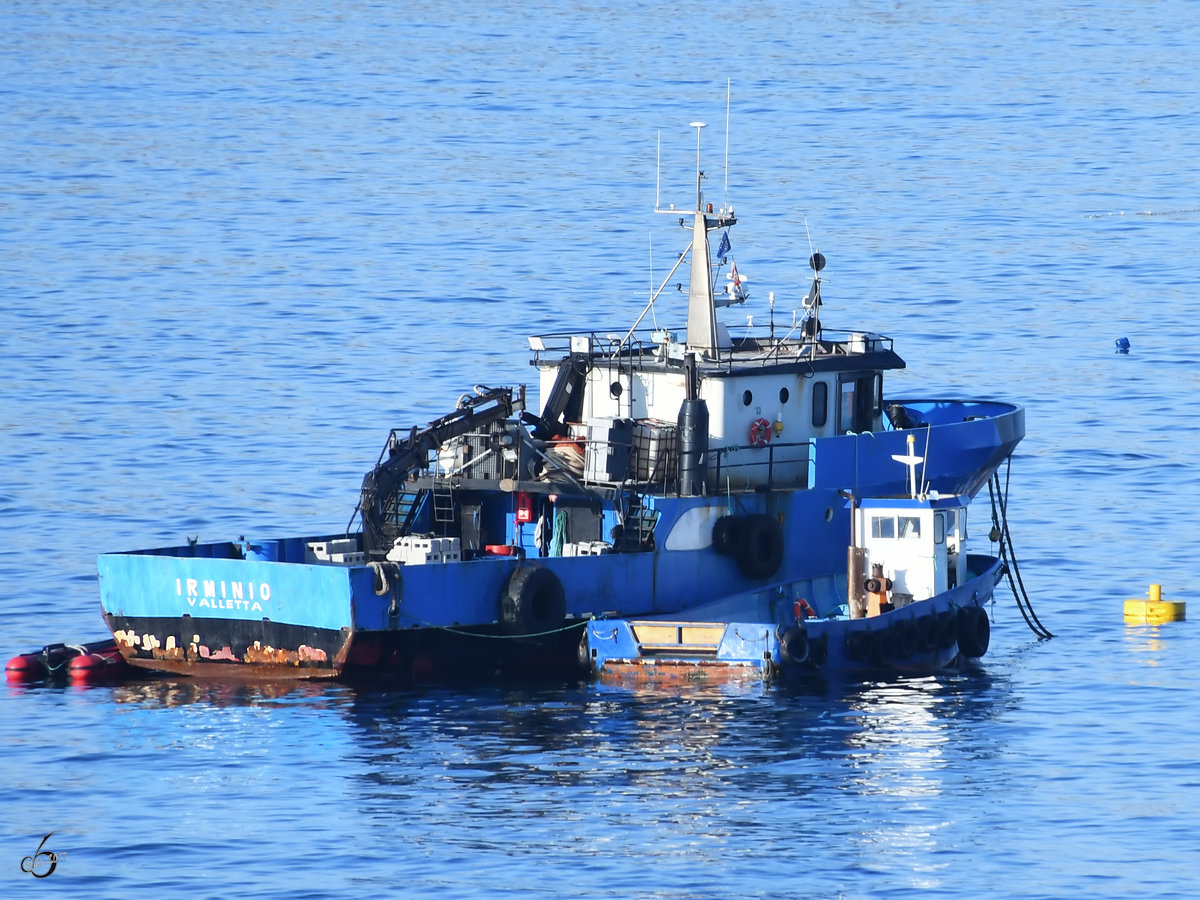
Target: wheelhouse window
[(820, 404), (891, 527), (860, 400)]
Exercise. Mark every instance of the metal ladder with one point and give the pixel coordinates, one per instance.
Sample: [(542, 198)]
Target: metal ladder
[(444, 506), (638, 525)]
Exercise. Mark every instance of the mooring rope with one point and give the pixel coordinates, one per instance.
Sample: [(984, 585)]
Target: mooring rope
[(501, 637), (1008, 556)]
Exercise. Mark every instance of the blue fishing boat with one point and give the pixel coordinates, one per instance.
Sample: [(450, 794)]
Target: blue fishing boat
[(912, 599), (658, 470)]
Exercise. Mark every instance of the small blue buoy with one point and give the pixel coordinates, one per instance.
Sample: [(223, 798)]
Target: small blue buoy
[(1122, 345)]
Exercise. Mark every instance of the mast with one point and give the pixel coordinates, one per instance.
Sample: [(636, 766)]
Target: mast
[(702, 311)]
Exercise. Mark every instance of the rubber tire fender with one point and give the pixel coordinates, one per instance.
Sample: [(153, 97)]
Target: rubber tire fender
[(533, 601), (974, 631), (858, 644), (907, 641), (793, 645), (929, 632), (761, 552), (727, 535), (948, 629), (883, 647), (818, 650)]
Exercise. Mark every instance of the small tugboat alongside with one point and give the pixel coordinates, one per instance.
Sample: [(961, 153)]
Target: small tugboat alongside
[(916, 603), (660, 473)]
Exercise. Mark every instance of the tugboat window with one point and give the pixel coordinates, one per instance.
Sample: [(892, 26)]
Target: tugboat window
[(614, 390), (883, 527), (856, 403), (910, 527), (747, 398), (783, 395), (820, 401)]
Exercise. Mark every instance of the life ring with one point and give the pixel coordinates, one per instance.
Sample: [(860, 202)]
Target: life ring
[(974, 632), (761, 552), (793, 644), (760, 432), (533, 601)]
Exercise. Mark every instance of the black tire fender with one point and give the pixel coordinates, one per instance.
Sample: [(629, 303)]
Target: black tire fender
[(883, 647), (793, 645), (947, 629), (907, 642), (929, 632), (761, 551), (974, 631), (818, 650), (858, 645), (727, 535), (533, 601)]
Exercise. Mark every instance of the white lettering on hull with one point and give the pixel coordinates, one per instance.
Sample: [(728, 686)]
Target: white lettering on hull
[(213, 594)]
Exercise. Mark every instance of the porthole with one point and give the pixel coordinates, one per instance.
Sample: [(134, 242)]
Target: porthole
[(614, 390), (747, 398), (783, 395)]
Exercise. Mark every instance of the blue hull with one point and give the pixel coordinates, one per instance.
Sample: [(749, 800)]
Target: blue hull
[(266, 607), (923, 637)]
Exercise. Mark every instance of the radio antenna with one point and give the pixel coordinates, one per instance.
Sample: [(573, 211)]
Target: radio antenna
[(658, 172), (728, 82)]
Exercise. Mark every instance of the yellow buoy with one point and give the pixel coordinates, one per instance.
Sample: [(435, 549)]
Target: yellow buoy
[(1154, 611)]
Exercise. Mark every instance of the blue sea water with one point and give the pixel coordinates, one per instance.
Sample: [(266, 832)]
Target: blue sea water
[(239, 242)]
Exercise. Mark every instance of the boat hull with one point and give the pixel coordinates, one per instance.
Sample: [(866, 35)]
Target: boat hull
[(928, 636), (268, 609), (229, 609)]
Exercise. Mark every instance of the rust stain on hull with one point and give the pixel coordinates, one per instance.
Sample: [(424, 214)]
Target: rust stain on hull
[(643, 671), (256, 661)]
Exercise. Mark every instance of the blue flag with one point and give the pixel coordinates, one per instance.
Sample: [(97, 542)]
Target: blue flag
[(724, 246)]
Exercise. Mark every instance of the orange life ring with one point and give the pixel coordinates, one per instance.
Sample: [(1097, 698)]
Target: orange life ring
[(760, 433)]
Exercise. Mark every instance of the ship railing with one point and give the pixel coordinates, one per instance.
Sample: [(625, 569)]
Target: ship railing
[(778, 464), (548, 349), (774, 343), (770, 344)]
